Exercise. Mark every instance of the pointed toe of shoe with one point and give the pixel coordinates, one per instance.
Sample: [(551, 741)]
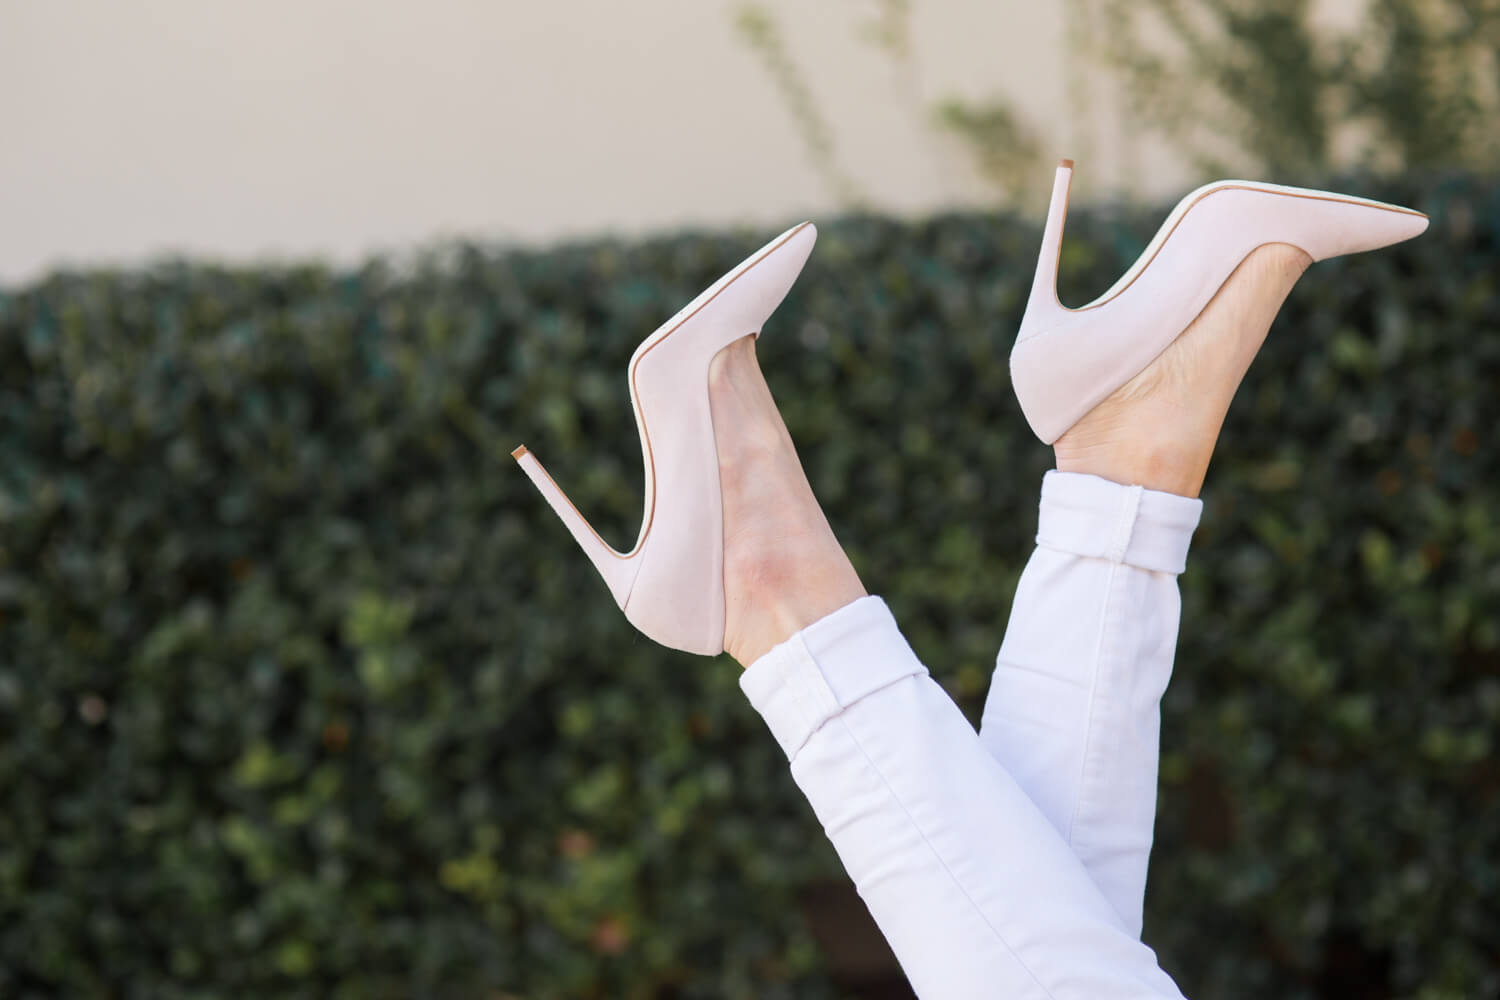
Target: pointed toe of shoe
[(768, 276), (1395, 224), (1415, 226), (804, 235), (787, 257), (1356, 227)]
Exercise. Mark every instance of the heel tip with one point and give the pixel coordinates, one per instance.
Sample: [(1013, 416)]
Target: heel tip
[(1065, 163), (519, 453)]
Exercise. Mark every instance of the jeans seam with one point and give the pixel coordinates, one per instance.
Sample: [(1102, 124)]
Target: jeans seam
[(1022, 668), (936, 854), (814, 722), (1088, 719)]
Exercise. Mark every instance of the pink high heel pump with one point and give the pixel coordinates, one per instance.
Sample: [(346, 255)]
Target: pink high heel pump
[(1067, 361), (671, 584)]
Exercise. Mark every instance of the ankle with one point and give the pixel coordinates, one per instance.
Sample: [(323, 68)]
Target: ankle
[(1164, 469), (783, 567), (1167, 452), (774, 592)]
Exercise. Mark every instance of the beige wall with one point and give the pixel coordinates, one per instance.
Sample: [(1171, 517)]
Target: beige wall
[(336, 127)]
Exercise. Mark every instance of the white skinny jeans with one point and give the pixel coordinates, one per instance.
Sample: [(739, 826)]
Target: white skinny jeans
[(1009, 863)]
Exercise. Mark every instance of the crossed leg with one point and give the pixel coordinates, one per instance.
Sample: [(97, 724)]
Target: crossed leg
[(977, 893), (1073, 710), (977, 888)]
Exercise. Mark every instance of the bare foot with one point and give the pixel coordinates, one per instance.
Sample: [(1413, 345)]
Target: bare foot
[(1158, 430), (783, 568)]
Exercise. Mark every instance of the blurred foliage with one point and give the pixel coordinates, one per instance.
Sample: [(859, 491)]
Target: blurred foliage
[(1002, 145), (1270, 88), (305, 693), (998, 140), (1405, 84), (763, 34)]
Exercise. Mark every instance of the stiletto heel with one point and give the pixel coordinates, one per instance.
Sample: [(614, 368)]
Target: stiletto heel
[(1067, 361), (1044, 283), (617, 568), (671, 584)]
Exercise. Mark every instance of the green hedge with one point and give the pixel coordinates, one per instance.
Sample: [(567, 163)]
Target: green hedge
[(304, 692)]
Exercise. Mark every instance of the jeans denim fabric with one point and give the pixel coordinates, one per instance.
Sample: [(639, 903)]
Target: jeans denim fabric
[(1073, 711), (988, 881)]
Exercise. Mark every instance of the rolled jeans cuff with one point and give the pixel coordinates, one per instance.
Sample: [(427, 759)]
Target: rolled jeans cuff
[(1088, 516), (833, 663)]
